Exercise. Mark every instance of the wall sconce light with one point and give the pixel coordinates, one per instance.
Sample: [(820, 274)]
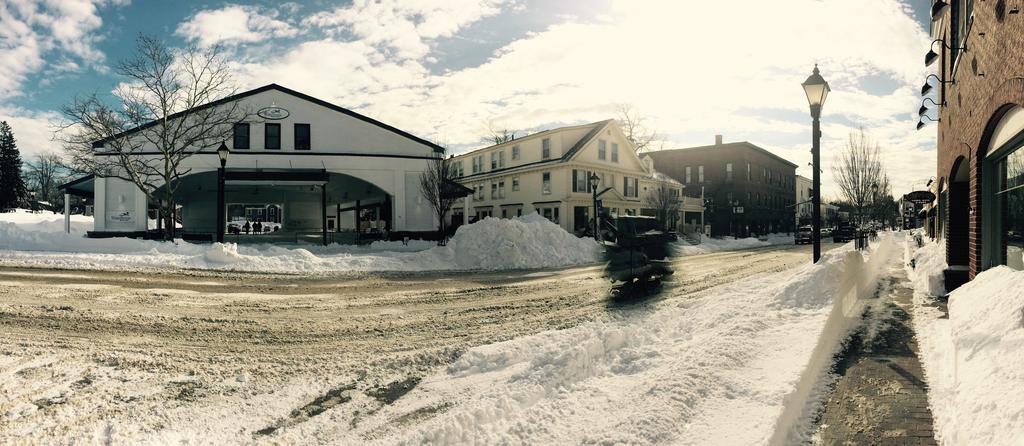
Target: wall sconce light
[(928, 87), (920, 124), (921, 111)]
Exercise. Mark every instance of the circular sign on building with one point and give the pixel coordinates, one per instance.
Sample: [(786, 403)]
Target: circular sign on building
[(273, 113), (919, 196)]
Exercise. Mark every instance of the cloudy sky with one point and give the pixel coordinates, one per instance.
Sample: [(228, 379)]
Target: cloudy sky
[(447, 69)]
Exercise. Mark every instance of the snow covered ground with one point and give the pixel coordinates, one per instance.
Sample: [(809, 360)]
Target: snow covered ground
[(718, 369), (28, 239), (972, 355), (708, 244), (472, 359)]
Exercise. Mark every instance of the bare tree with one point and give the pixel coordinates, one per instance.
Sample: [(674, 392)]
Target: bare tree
[(499, 134), (857, 168), (437, 184), (43, 174), (632, 124), (156, 121), (666, 202)]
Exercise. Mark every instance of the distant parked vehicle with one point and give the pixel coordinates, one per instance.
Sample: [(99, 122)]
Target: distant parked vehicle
[(843, 233), (804, 235), (826, 232)]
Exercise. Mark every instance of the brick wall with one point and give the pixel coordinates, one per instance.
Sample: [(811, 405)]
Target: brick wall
[(778, 196), (989, 79)]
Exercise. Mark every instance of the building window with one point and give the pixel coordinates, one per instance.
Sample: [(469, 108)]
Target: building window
[(494, 190), (240, 138), (688, 176), (501, 159), (302, 141), (580, 180), (501, 189), (272, 136), (494, 160), (479, 192), (545, 183), (602, 149), (515, 183), (728, 171), (700, 174), (748, 171), (515, 152), (458, 170), (615, 153), (545, 148), (629, 187), (1007, 227), (960, 15)]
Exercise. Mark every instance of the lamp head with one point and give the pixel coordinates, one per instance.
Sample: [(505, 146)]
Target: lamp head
[(926, 88), (929, 58), (920, 125), (816, 89), (222, 153), (937, 8), (922, 110), (594, 180)]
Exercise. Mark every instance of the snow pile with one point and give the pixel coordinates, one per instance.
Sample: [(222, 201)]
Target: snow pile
[(531, 241), (925, 266), (223, 253), (528, 242), (972, 354), (691, 371), (708, 244)]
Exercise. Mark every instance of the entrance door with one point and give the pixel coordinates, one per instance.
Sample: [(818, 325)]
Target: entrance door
[(580, 218)]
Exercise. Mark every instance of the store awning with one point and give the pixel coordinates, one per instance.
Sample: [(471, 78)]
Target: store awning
[(82, 187), (451, 189)]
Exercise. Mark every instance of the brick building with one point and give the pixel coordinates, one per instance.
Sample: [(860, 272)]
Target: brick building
[(749, 190), (978, 51)]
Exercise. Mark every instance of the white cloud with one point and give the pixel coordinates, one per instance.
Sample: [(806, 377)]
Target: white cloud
[(404, 28), (31, 29), (33, 131), (690, 66), (233, 24)]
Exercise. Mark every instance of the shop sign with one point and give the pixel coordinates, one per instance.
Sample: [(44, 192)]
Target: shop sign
[(273, 113), (121, 216), (920, 196)]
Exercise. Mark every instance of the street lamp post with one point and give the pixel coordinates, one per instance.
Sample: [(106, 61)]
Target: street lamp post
[(816, 89), (222, 153), (594, 181)]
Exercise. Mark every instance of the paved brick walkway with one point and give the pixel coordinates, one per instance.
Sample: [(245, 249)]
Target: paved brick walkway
[(881, 397)]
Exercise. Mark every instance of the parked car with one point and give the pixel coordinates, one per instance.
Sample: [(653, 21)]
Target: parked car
[(843, 233), (826, 232), (805, 234), (637, 248)]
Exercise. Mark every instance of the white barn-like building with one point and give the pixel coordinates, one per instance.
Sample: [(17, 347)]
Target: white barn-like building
[(303, 167)]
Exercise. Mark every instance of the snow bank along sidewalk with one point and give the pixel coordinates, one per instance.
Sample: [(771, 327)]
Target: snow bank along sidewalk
[(708, 244), (974, 355), (526, 242), (717, 369)]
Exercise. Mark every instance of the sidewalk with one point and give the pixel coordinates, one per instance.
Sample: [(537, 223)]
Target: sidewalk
[(880, 396)]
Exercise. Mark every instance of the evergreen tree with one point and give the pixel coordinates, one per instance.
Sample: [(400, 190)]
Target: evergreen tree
[(12, 186)]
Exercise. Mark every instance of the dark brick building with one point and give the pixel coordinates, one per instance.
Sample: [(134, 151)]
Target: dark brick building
[(980, 172), (749, 189)]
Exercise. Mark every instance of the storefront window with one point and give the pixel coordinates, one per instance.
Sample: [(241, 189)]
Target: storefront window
[(1010, 207)]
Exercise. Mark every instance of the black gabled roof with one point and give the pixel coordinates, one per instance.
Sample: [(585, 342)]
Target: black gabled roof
[(321, 102), (598, 126)]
